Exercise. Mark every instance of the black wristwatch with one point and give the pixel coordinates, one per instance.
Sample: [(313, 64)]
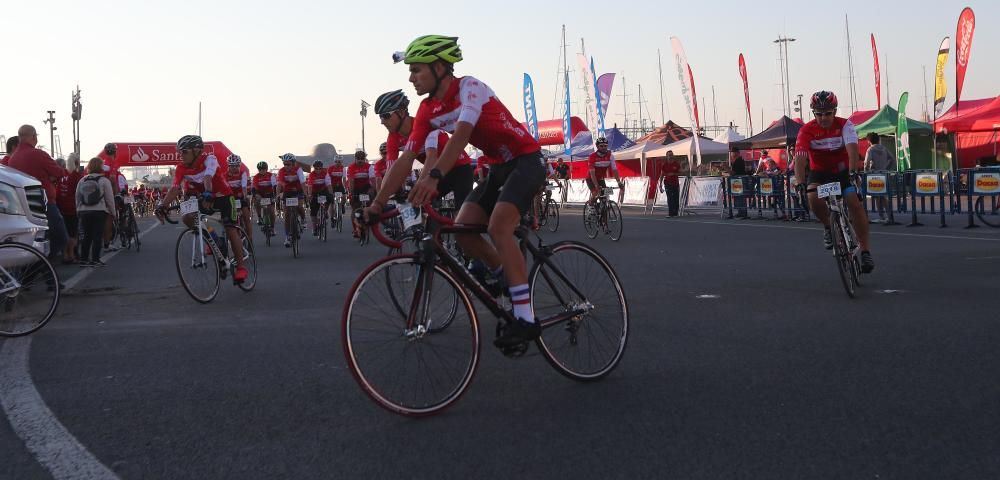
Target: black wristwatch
[(435, 174)]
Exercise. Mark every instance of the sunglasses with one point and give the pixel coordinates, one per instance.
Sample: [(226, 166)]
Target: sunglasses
[(385, 116), (824, 114)]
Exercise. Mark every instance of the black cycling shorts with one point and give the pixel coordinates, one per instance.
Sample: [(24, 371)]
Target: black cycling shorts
[(516, 182), (590, 183), (225, 206), (357, 192), (459, 181), (314, 201)]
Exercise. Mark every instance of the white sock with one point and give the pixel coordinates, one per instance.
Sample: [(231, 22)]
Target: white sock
[(520, 297)]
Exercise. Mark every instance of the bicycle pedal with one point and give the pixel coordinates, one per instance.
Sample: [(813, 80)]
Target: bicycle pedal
[(516, 351)]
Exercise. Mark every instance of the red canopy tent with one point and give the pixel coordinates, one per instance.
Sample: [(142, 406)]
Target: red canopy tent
[(146, 154), (976, 126)]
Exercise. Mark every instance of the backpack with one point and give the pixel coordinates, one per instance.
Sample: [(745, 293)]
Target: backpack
[(90, 191)]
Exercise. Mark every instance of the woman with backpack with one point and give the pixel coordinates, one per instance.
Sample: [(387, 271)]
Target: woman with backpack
[(95, 201)]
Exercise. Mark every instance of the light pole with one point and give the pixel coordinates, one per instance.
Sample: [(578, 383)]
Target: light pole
[(76, 115), (364, 113), (52, 131), (783, 53), (798, 108)]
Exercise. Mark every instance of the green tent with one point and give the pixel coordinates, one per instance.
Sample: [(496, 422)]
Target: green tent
[(921, 135)]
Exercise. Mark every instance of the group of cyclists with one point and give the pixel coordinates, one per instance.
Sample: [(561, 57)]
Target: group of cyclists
[(458, 111)]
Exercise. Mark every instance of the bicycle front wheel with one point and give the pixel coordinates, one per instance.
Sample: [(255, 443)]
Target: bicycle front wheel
[(397, 358), (614, 221), (986, 212), (575, 277), (841, 253), (134, 227), (198, 269), (552, 215), (590, 220), (249, 262), (29, 290)]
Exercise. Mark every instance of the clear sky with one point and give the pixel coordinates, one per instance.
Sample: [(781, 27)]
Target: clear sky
[(283, 76)]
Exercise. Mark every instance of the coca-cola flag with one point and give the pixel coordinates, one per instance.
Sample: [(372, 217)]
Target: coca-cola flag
[(963, 48), (746, 89), (878, 76)]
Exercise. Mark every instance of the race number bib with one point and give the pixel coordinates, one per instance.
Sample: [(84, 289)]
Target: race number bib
[(363, 197), (265, 202), (189, 206), (321, 199), (338, 195), (292, 202), (238, 203), (828, 190), (410, 215)]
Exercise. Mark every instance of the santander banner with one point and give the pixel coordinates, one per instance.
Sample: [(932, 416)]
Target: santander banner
[(146, 154)]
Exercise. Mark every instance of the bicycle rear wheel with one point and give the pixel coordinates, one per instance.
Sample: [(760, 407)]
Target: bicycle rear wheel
[(590, 224), (29, 290), (615, 221), (322, 224), (841, 253), (199, 272), (134, 227), (987, 213), (587, 346), (552, 215), (404, 366), (249, 262)]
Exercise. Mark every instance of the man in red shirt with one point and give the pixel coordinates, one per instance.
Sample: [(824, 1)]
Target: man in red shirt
[(671, 183), (600, 162), (66, 201), (358, 180), (318, 185), (38, 164), (829, 145), (199, 175)]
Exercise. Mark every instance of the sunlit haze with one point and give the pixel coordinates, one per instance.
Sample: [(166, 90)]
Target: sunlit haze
[(282, 76)]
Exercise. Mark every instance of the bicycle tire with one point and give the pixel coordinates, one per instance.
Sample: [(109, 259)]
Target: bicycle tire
[(590, 224), (552, 215), (249, 262), (293, 217), (28, 268), (322, 224), (986, 218), (189, 260), (615, 221), (560, 342), (382, 387), (135, 229), (841, 254)]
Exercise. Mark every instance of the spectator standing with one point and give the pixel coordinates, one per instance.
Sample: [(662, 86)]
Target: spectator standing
[(95, 202), (672, 183), (66, 201), (11, 146), (878, 159), (38, 164)]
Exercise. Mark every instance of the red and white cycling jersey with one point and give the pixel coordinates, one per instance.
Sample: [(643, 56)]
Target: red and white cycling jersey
[(191, 179), (264, 183), (237, 182), (360, 176), (497, 133), (393, 143), (827, 147), (602, 163), (291, 179), (380, 167), (438, 139), (318, 179), (336, 172)]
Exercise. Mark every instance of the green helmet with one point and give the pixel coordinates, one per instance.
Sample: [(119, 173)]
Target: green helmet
[(429, 48)]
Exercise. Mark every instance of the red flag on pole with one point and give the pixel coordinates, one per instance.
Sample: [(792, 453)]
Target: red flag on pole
[(746, 89), (694, 96), (963, 48), (878, 75)]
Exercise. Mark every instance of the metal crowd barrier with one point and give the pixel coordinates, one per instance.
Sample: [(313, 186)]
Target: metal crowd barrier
[(983, 183), (879, 187)]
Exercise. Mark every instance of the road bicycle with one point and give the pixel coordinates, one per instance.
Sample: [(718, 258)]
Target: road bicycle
[(198, 252), (337, 220), (846, 247), (603, 215), (321, 217), (267, 218), (293, 222), (419, 360), (548, 215), (128, 227), (29, 290)]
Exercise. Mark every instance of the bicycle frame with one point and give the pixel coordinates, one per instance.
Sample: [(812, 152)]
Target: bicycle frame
[(7, 281)]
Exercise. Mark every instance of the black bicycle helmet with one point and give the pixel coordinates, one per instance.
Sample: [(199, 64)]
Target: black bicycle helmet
[(110, 148), (390, 102), (190, 142)]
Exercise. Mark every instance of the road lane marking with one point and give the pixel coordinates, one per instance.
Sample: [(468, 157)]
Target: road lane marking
[(815, 229), (86, 272), (57, 450)]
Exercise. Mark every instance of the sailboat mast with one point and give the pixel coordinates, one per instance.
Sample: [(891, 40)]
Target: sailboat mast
[(659, 61), (850, 66)]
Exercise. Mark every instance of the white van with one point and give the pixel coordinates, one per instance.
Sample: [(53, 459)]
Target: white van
[(22, 210)]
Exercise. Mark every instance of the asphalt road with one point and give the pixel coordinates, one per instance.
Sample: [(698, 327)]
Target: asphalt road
[(746, 360)]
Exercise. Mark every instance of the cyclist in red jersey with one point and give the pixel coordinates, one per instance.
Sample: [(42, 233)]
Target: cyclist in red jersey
[(238, 182), (358, 180), (470, 111), (199, 175), (291, 183), (262, 186), (600, 162), (381, 166), (829, 145), (318, 184)]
